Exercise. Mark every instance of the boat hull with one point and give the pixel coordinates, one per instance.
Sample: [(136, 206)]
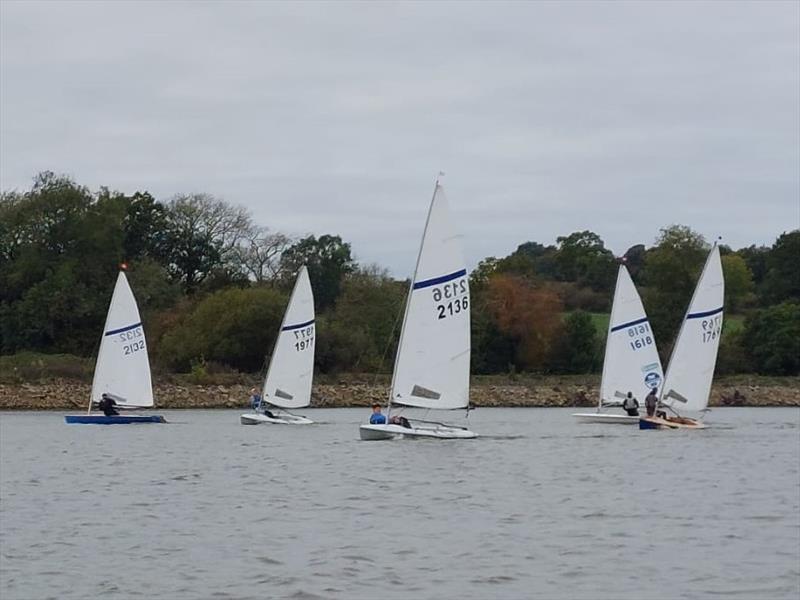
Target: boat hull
[(113, 420), (388, 432), (659, 423), (261, 419), (606, 418)]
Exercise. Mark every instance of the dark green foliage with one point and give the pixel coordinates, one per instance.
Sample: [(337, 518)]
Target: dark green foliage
[(670, 272), (782, 280), (576, 348), (328, 261), (363, 329), (772, 339), (234, 327), (583, 258)]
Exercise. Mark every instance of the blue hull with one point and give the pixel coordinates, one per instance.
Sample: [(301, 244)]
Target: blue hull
[(113, 420), (645, 424)]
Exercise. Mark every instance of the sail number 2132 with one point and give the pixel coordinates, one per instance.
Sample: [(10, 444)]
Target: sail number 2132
[(451, 298)]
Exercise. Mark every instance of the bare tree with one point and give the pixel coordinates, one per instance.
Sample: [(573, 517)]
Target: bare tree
[(259, 253)]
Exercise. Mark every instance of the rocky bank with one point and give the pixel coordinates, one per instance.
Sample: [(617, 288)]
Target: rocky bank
[(542, 392)]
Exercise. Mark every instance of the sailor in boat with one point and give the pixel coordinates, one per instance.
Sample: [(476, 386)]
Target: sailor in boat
[(631, 405), (399, 420), (651, 402), (255, 399), (108, 405), (377, 417)]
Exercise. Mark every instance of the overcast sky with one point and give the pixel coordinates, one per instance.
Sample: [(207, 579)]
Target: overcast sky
[(335, 117)]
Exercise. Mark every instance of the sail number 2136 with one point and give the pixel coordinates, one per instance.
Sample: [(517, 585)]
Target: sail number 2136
[(451, 298)]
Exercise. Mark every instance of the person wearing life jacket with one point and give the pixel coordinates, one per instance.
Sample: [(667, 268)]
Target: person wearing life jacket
[(631, 405), (651, 402), (108, 405), (377, 417), (255, 399)]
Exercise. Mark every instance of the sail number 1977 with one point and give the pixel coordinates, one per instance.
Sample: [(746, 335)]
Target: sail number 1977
[(304, 338)]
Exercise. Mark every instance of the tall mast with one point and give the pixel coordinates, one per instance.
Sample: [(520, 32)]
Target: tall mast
[(411, 291)]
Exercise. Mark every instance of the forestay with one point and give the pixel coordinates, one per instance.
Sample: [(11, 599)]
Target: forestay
[(291, 370), (631, 362), (691, 368), (122, 368), (432, 364)]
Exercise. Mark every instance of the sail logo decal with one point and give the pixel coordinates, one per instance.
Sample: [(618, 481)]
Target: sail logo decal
[(707, 313), (298, 325), (437, 280), (124, 329), (652, 380)]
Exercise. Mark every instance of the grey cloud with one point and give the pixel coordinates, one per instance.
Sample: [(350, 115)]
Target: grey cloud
[(335, 117)]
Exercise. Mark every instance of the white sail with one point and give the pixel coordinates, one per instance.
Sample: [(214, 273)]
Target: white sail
[(631, 361), (432, 364), (122, 368), (291, 370), (691, 367)]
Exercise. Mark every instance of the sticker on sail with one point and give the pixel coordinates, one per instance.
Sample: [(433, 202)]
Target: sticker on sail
[(652, 380)]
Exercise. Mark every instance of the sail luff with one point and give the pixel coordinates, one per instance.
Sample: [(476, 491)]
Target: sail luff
[(410, 292)]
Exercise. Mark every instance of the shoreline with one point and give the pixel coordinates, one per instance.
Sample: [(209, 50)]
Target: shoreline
[(359, 392)]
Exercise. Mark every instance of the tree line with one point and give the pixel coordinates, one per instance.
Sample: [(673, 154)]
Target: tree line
[(212, 286)]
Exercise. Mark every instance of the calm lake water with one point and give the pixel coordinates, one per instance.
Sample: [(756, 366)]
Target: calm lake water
[(539, 507)]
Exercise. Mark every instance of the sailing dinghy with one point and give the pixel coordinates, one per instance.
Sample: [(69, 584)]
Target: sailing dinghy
[(291, 370), (431, 369), (122, 371), (687, 383), (631, 361)]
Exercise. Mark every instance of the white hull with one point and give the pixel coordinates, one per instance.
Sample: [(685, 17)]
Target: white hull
[(597, 417), (388, 432), (283, 419)]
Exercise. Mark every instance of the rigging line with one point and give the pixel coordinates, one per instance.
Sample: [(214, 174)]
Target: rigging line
[(397, 319)]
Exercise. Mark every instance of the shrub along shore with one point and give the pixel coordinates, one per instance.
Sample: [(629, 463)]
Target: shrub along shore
[(357, 391)]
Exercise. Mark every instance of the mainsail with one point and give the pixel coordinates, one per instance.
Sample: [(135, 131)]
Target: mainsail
[(291, 370), (433, 357), (691, 368), (631, 361), (122, 368)]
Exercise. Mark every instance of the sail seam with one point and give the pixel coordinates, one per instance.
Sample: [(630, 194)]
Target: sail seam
[(123, 329), (631, 324), (707, 313), (438, 280), (298, 325)]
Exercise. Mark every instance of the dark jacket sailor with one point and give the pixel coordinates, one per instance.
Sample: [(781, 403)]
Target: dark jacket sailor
[(631, 405), (108, 405), (651, 402)]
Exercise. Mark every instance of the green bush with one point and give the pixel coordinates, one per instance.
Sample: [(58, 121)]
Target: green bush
[(772, 339)]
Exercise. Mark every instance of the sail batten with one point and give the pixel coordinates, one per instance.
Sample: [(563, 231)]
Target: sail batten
[(291, 370)]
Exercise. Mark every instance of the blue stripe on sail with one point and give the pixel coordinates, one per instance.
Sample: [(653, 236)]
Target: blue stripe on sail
[(437, 280), (707, 313), (298, 326), (123, 329), (631, 324)]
